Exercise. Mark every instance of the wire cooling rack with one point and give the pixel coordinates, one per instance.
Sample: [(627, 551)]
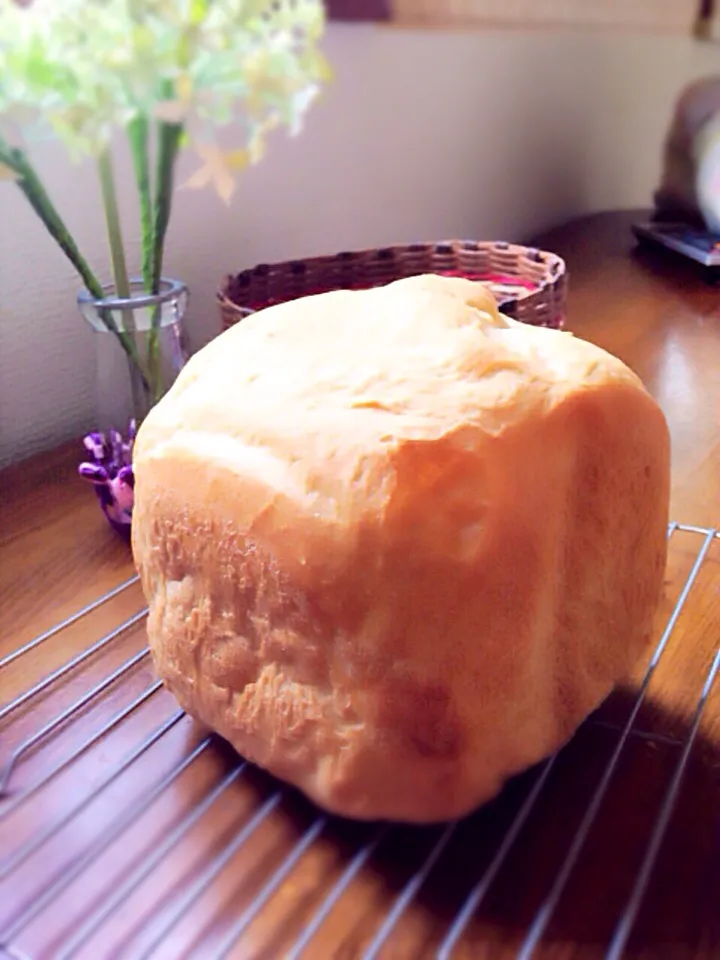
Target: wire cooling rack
[(128, 831)]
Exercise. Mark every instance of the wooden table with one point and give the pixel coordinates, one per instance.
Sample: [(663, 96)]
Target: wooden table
[(134, 850)]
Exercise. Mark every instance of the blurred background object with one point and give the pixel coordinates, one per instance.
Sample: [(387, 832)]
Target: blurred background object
[(690, 181)]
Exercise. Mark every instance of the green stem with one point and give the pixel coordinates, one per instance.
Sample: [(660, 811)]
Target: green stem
[(36, 195), (120, 274), (138, 135), (112, 220), (29, 182), (168, 138), (169, 135)]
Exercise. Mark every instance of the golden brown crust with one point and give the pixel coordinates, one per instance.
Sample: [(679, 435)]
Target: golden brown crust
[(395, 600)]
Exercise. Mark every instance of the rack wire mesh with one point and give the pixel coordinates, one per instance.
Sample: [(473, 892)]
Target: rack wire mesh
[(128, 831)]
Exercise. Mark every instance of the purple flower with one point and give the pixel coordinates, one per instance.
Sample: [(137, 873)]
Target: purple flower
[(111, 474)]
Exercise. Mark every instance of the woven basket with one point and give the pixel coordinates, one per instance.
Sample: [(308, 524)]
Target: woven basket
[(528, 284)]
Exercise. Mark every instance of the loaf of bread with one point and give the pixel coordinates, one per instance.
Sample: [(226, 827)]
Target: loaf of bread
[(396, 546)]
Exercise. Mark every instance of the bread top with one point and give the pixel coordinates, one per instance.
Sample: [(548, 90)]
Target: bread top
[(410, 360), (305, 403)]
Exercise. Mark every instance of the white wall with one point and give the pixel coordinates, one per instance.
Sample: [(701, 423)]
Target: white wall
[(422, 135)]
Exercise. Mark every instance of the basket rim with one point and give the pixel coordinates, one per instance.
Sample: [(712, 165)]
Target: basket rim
[(557, 267)]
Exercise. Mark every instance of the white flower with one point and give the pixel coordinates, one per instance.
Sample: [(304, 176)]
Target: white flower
[(88, 67), (218, 169)]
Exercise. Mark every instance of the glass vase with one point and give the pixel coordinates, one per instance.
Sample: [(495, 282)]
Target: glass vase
[(141, 348)]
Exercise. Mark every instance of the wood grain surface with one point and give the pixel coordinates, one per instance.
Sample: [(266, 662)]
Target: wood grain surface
[(123, 853)]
